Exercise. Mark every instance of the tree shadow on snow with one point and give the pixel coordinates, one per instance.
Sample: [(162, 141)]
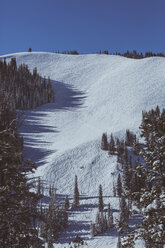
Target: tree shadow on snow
[(80, 228), (33, 126)]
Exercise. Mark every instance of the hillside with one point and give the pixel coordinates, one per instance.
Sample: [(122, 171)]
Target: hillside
[(94, 94)]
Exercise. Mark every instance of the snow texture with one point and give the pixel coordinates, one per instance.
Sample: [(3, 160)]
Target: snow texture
[(94, 94)]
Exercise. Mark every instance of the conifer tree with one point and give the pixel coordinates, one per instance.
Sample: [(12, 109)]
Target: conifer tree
[(119, 186), (114, 190), (76, 194), (101, 204), (136, 147), (104, 142), (17, 210), (110, 217), (112, 145), (66, 204), (119, 245), (124, 212), (126, 178), (150, 196)]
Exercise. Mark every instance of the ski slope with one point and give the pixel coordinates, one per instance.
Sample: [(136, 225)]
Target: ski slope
[(94, 94)]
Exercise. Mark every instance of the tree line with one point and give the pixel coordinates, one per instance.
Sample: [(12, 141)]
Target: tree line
[(24, 90), (142, 182)]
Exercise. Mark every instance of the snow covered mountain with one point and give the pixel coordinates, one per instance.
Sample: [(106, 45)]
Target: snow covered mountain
[(94, 94)]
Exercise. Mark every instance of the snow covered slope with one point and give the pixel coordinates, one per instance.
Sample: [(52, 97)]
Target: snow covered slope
[(94, 94)]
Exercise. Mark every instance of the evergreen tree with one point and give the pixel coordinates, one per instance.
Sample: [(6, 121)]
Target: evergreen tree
[(101, 204), (76, 194), (23, 89), (112, 145), (119, 186), (114, 190), (98, 224), (126, 155), (124, 212), (126, 178), (101, 223), (110, 217), (136, 147), (130, 138), (119, 147), (17, 210), (104, 142), (66, 204), (119, 245), (150, 195)]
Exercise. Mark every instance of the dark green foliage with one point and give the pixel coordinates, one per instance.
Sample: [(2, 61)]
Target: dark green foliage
[(100, 223), (119, 245), (136, 147), (104, 142), (55, 220), (126, 177), (78, 239), (149, 198), (112, 145), (124, 211), (23, 89), (130, 138), (76, 194), (66, 204), (126, 155), (114, 189), (110, 217), (101, 204), (119, 147), (134, 54), (72, 52), (106, 52), (18, 211), (119, 186)]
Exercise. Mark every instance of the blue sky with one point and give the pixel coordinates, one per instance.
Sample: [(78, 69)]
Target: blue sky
[(84, 25)]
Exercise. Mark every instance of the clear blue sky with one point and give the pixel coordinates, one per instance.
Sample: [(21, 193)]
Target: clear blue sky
[(84, 25)]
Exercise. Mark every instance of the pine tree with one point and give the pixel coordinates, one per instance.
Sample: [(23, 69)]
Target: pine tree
[(126, 155), (104, 142), (114, 190), (17, 210), (101, 204), (126, 178), (119, 186), (112, 145), (150, 195), (110, 217), (124, 212), (119, 147), (76, 194), (98, 223), (130, 138), (136, 147), (66, 204), (119, 245)]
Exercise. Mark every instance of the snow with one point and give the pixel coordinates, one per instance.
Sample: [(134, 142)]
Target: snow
[(94, 94)]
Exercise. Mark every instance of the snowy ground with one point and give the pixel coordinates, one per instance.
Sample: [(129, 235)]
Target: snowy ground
[(94, 94)]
